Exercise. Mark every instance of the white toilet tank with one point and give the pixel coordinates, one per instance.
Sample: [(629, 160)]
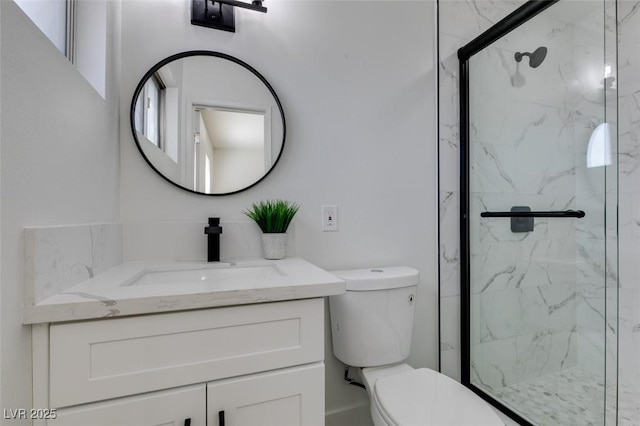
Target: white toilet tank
[(372, 323)]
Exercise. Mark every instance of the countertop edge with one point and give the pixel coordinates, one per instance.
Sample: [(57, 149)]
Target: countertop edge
[(104, 309)]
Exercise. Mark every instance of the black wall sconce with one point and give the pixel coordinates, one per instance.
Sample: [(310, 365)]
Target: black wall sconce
[(218, 14)]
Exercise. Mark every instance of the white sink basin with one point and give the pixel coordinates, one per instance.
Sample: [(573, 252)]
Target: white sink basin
[(204, 275)]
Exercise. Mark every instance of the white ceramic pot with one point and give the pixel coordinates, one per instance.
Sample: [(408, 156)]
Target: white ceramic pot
[(274, 246)]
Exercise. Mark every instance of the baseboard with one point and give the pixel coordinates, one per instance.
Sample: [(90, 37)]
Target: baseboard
[(353, 415)]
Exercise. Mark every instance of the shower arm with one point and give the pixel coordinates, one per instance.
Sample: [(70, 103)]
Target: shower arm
[(518, 56)]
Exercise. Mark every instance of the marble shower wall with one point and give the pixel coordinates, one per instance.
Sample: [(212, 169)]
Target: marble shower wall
[(628, 83), (531, 141), (597, 195), (459, 22), (523, 152)]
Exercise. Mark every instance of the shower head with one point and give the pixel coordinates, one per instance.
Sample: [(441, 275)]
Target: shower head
[(535, 58)]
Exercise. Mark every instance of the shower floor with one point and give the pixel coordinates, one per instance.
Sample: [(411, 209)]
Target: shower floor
[(567, 398)]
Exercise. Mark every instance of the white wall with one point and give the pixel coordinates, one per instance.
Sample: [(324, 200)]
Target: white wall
[(59, 155), (357, 84)]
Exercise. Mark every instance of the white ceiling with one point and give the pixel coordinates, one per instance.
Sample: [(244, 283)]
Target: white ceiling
[(234, 129)]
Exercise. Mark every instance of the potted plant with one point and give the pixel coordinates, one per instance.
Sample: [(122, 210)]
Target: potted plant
[(273, 217)]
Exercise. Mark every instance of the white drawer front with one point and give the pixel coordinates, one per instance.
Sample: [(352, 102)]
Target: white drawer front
[(162, 408), (95, 360)]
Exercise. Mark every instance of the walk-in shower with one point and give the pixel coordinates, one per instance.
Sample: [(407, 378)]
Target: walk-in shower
[(539, 229)]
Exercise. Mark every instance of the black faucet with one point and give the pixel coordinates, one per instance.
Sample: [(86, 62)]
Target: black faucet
[(213, 232)]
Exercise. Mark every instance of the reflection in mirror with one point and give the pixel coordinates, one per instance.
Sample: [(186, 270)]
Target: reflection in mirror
[(231, 148), (148, 110), (208, 122)]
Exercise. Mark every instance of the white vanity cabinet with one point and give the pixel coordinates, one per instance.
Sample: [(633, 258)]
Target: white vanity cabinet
[(259, 364)]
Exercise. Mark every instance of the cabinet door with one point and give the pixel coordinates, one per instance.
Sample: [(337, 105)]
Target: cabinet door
[(179, 407), (166, 351), (288, 397)]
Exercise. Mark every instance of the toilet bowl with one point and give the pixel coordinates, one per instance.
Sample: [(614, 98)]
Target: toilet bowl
[(371, 327), (401, 396)]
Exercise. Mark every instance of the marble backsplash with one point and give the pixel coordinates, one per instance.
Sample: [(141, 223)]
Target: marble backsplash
[(186, 241), (57, 258)]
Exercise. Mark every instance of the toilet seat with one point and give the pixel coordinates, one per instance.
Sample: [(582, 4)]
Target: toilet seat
[(427, 398)]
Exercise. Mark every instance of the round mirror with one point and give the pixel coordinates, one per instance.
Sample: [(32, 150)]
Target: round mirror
[(208, 122)]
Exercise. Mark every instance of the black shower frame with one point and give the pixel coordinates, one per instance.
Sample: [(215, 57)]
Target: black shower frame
[(521, 15)]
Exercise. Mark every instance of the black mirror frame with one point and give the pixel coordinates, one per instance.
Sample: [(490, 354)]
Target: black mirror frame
[(190, 53)]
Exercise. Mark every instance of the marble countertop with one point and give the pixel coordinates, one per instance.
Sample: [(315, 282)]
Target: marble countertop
[(130, 289)]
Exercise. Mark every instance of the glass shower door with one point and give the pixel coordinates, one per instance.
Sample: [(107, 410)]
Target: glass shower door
[(540, 257)]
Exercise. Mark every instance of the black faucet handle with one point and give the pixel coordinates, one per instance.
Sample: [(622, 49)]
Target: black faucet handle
[(214, 226)]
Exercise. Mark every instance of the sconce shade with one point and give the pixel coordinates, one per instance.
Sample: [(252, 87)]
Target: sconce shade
[(599, 149)]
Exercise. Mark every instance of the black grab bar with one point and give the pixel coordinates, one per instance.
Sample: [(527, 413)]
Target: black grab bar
[(561, 213)]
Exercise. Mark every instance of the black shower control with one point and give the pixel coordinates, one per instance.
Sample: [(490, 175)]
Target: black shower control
[(519, 223)]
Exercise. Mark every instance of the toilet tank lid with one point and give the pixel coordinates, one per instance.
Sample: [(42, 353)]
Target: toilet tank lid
[(378, 278)]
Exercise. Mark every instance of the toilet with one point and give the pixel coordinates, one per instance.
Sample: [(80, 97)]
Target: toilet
[(371, 327)]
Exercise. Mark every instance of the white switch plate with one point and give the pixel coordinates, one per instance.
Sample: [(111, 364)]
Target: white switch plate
[(329, 218)]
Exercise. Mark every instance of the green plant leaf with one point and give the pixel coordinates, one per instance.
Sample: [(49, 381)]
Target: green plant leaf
[(273, 216)]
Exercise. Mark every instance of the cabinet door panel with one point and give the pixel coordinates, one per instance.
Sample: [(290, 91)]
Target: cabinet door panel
[(164, 408), (97, 360), (289, 397)]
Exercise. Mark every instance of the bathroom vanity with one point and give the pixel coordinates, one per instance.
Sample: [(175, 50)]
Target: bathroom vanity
[(185, 344)]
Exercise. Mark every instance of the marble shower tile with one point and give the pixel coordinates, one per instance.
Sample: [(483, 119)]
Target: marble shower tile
[(516, 122), (449, 64), (468, 18), (450, 363), (494, 364), (591, 350), (449, 244), (521, 311), (507, 170), (449, 144), (546, 352), (450, 322), (629, 20)]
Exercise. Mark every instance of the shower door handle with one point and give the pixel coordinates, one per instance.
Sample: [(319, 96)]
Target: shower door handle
[(558, 213)]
